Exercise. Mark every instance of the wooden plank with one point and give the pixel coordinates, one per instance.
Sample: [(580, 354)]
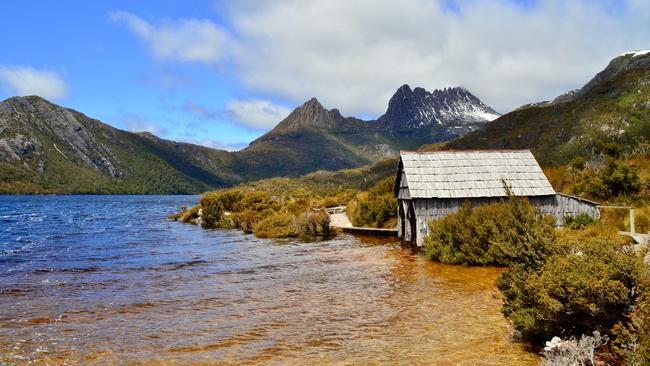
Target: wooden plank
[(370, 231)]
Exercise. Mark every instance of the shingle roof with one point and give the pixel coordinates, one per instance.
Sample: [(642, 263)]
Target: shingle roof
[(476, 173)]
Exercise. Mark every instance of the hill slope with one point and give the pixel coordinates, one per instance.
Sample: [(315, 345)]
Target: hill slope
[(312, 136), (45, 148), (613, 107)]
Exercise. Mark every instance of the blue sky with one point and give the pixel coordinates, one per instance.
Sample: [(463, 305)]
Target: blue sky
[(222, 73)]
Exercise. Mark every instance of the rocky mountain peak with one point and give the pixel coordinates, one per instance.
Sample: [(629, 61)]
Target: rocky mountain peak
[(313, 103), (633, 60), (32, 128), (312, 114), (415, 108)]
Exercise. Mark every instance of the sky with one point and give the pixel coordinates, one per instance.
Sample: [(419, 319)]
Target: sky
[(222, 73)]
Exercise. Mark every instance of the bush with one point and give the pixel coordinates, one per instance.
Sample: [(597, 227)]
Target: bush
[(190, 216), (619, 178), (632, 342), (228, 199), (177, 215), (580, 221), (311, 224), (504, 233), (245, 221), (297, 201), (578, 163), (257, 201), (259, 213), (610, 149), (211, 212), (340, 199), (590, 183), (614, 179), (278, 225), (583, 287), (379, 208)]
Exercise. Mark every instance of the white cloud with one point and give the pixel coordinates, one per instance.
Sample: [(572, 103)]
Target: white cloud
[(135, 123), (187, 40), (215, 144), (354, 54), (25, 80), (258, 114)]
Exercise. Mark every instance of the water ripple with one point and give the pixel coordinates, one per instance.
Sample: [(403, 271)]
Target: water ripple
[(102, 280)]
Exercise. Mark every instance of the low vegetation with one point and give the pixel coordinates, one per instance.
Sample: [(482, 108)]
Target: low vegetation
[(502, 233), (578, 222), (569, 283), (582, 287), (573, 352), (375, 208), (257, 212)]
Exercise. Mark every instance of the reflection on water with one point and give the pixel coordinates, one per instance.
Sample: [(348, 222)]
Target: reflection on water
[(105, 280)]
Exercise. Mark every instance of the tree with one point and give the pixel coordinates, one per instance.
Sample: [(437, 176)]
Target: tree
[(581, 288), (619, 178)]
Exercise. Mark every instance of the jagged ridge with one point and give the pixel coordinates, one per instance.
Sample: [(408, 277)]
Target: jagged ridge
[(419, 108), (48, 148)]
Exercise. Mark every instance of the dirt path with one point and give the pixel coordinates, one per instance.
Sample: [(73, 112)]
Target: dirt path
[(338, 217)]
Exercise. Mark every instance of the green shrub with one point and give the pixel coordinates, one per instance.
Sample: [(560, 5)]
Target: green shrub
[(297, 201), (311, 224), (257, 201), (178, 214), (211, 212), (614, 179), (379, 208), (578, 163), (339, 199), (278, 225), (581, 288), (229, 199), (190, 216), (619, 178), (632, 337), (246, 220), (503, 233), (611, 149), (590, 183), (580, 221)]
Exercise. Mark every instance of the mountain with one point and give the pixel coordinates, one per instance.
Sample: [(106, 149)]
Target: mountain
[(413, 118), (419, 108), (46, 148), (313, 114), (614, 106)]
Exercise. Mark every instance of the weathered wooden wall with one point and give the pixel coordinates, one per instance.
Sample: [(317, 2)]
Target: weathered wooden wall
[(573, 206), (429, 209)]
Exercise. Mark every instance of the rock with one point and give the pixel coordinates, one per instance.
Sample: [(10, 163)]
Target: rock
[(450, 106)]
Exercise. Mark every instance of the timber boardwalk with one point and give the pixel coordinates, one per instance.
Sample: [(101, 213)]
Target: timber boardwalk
[(339, 219), (369, 231)]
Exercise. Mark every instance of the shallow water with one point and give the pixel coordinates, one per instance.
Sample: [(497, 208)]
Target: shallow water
[(107, 280)]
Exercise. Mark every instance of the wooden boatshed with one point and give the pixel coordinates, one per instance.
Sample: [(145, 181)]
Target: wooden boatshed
[(431, 185)]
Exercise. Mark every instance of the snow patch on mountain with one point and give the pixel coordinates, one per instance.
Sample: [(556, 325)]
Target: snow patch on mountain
[(416, 108), (636, 53)]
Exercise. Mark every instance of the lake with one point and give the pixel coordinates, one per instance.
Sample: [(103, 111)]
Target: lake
[(108, 280)]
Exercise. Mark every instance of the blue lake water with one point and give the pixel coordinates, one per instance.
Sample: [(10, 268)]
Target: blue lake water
[(108, 280)]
